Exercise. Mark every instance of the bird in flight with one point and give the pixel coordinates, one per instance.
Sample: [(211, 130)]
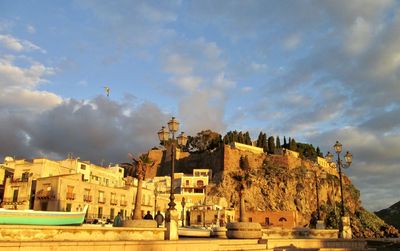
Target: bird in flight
[(107, 89)]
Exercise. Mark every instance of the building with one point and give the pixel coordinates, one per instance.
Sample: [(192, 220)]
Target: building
[(70, 192), (244, 147), (67, 185)]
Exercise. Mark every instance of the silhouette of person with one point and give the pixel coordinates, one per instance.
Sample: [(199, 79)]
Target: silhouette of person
[(159, 218), (148, 216), (117, 220)]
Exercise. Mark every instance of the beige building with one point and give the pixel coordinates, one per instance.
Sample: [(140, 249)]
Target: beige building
[(67, 185), (70, 193)]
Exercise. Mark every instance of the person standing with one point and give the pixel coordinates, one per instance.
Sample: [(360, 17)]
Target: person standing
[(117, 220), (159, 218)]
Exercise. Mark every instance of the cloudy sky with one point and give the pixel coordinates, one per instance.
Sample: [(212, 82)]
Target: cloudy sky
[(318, 71)]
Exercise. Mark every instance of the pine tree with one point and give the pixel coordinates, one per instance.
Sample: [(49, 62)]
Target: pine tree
[(284, 142)]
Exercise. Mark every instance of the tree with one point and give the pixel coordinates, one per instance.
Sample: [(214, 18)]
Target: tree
[(137, 169), (284, 142), (204, 141), (243, 180), (271, 145), (292, 145), (278, 142)]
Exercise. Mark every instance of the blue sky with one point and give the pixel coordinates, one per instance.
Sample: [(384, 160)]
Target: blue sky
[(318, 71)]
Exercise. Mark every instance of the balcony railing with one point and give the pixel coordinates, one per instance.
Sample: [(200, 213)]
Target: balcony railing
[(45, 195), (18, 201), (113, 202), (87, 198), (70, 196), (123, 203), (102, 200)]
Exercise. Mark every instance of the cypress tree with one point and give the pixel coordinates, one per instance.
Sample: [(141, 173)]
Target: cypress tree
[(278, 142), (271, 145)]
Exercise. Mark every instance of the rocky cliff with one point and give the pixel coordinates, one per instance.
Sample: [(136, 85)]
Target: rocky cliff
[(286, 183)]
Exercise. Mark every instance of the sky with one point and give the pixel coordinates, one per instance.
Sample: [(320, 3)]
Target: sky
[(316, 71)]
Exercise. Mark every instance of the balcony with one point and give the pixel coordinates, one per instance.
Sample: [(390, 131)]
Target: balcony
[(102, 200), (87, 198), (113, 202), (70, 196), (123, 203), (45, 195), (12, 201)]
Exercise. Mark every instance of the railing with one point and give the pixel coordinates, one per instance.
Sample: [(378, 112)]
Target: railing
[(87, 198), (19, 201), (45, 195), (70, 196), (102, 200), (123, 203), (113, 202)]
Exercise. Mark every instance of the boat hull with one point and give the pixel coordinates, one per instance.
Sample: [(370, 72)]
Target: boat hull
[(46, 218)]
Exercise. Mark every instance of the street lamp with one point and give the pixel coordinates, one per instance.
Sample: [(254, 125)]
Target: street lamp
[(348, 158), (155, 198), (163, 135), (183, 203), (317, 177)]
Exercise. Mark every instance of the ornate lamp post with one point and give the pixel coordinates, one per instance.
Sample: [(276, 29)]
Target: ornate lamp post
[(317, 178), (163, 135), (348, 158), (183, 203)]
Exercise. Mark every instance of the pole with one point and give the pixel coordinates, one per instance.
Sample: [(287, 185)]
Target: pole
[(341, 197), (172, 197), (317, 190)]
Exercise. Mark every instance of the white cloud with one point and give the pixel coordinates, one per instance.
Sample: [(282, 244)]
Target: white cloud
[(258, 67), (247, 88), (292, 41), (14, 44), (31, 29), (359, 36), (12, 75), (27, 100)]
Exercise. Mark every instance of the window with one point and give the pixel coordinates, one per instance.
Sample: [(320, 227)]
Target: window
[(101, 197), (69, 206), (187, 183), (198, 218), (112, 213), (83, 167), (15, 195), (200, 183), (25, 176), (266, 221), (100, 213), (250, 219)]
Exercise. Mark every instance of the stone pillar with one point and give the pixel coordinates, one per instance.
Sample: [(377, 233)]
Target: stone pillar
[(320, 224), (171, 224), (346, 233)]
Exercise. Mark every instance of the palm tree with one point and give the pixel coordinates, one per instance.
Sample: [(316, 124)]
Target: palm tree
[(138, 169), (242, 178)]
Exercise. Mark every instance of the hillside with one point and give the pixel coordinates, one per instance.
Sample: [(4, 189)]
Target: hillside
[(391, 215), (280, 183)]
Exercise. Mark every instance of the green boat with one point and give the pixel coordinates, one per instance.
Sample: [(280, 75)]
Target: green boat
[(47, 218)]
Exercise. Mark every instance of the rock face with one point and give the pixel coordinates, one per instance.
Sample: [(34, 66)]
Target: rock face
[(282, 183)]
